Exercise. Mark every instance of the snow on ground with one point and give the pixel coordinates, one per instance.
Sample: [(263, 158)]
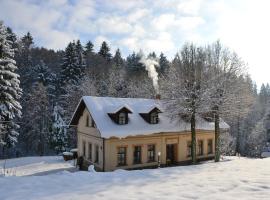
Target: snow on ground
[(233, 178), (34, 165)]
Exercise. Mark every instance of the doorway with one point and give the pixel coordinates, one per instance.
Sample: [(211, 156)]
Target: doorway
[(171, 154)]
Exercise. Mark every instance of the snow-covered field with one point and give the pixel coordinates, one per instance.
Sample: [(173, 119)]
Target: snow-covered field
[(233, 178), (34, 166)]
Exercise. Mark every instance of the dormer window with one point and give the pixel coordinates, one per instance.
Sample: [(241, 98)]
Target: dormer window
[(151, 116), (122, 118), (120, 115), (154, 118)]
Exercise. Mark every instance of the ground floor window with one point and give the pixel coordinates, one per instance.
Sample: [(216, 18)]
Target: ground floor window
[(151, 151), (121, 156), (210, 146), (200, 147), (189, 149), (89, 151), (84, 148), (97, 154), (137, 155)]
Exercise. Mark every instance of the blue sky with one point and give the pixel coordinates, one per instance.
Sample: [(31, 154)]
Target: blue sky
[(160, 25)]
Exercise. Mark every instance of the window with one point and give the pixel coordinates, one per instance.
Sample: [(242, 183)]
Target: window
[(121, 156), (97, 154), (137, 155), (154, 118), (87, 121), (200, 148), (122, 118), (188, 149), (210, 146), (93, 124), (151, 151), (84, 148), (89, 151)]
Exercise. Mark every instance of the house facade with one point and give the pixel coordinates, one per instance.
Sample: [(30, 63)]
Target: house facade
[(129, 133)]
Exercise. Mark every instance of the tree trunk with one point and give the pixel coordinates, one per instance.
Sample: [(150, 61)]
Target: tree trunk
[(193, 139), (217, 137), (237, 147)]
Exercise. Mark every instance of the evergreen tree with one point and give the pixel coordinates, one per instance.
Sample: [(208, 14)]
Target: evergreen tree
[(43, 74), (10, 91), (58, 138), (27, 41), (105, 51), (70, 72), (163, 63), (117, 59), (152, 55), (89, 48), (133, 62), (12, 38), (80, 58)]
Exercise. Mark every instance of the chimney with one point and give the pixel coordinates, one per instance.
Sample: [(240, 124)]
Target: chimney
[(158, 96)]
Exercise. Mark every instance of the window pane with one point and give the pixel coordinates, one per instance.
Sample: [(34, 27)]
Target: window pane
[(200, 148), (121, 156), (151, 153), (188, 149), (97, 154), (137, 154), (210, 146), (90, 151), (84, 148)]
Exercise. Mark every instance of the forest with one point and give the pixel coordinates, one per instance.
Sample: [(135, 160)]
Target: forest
[(40, 88)]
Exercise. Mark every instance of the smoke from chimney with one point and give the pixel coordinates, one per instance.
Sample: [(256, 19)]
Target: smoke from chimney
[(150, 66)]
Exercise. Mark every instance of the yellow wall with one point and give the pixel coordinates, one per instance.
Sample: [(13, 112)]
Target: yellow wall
[(160, 140), (89, 135)]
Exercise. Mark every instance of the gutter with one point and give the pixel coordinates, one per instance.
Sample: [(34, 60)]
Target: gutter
[(103, 154)]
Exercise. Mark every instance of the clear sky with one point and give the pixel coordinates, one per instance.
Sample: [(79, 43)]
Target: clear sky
[(150, 25)]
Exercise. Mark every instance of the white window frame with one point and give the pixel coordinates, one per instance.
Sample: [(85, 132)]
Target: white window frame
[(122, 118)]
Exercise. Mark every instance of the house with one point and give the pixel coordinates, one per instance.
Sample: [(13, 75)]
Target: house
[(134, 133)]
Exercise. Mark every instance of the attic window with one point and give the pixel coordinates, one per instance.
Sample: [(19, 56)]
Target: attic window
[(154, 118), (87, 121), (122, 118)]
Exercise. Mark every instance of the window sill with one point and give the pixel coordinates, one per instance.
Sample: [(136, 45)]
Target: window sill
[(151, 161)]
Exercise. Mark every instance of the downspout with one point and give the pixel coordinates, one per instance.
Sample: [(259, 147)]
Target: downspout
[(103, 154)]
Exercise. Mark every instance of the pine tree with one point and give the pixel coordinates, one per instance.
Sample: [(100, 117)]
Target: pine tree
[(117, 59), (58, 137), (105, 51), (133, 62), (163, 63), (89, 48), (27, 41), (10, 91), (80, 58), (70, 72)]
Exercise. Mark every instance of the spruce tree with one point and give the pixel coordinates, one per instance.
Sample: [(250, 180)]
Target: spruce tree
[(105, 51), (80, 60), (70, 72), (89, 48), (117, 59), (10, 91), (163, 63)]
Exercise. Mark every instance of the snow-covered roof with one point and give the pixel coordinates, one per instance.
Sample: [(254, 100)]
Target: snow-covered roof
[(99, 107)]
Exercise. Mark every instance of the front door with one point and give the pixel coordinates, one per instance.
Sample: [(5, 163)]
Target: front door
[(171, 152)]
